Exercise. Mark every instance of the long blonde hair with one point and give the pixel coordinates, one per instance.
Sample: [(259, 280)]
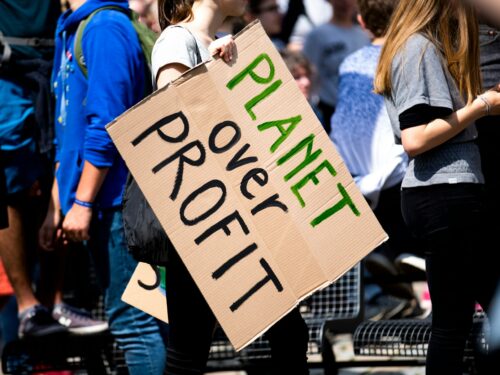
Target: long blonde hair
[(451, 25)]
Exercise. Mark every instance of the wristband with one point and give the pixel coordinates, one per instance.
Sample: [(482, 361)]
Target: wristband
[(488, 105), (84, 204)]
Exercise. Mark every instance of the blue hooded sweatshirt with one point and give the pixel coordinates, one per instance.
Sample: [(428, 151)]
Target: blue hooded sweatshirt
[(116, 77)]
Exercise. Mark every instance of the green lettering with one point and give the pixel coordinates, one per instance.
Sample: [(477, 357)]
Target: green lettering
[(311, 177), (249, 70), (309, 158), (346, 201), (253, 102), (284, 131)]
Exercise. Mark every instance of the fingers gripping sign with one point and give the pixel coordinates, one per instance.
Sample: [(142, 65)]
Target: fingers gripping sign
[(223, 47)]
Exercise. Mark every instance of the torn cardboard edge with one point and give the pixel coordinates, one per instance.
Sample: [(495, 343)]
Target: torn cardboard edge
[(179, 79), (204, 97)]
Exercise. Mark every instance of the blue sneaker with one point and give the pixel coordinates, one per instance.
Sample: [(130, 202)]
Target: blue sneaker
[(38, 322)]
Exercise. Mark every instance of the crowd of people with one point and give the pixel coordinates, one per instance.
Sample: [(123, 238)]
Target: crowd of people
[(408, 91)]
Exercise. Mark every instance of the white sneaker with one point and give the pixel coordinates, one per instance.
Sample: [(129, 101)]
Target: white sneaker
[(414, 261)]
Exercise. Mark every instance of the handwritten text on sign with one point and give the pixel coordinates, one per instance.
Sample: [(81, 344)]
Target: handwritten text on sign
[(194, 154), (247, 185)]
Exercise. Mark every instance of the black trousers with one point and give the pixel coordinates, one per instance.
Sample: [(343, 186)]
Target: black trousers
[(192, 324), (388, 213), (461, 268)]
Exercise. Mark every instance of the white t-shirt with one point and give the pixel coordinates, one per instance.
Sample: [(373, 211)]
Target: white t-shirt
[(178, 45)]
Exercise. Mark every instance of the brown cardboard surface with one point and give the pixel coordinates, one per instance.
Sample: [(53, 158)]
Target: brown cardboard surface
[(250, 119), (144, 292)]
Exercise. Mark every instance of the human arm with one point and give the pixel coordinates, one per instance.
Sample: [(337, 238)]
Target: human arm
[(168, 73), (76, 223), (49, 232), (419, 139), (114, 83), (420, 80), (224, 47), (175, 53)]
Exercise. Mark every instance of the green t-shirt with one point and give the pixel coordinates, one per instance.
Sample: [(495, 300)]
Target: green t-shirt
[(29, 19)]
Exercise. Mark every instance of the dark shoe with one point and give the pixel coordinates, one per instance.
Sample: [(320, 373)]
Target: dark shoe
[(387, 276), (78, 321), (384, 306), (37, 322), (374, 312), (411, 310)]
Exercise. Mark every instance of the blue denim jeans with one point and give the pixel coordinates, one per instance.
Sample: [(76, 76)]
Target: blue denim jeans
[(489, 39), (138, 334)]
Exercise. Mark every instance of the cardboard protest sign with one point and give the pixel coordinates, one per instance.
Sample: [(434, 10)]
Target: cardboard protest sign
[(146, 291), (247, 185)]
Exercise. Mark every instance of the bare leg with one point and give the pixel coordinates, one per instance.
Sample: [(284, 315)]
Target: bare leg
[(13, 253)]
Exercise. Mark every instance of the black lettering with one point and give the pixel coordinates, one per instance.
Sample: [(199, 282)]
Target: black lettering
[(215, 132), (219, 272), (271, 276), (224, 225), (269, 202), (159, 124), (191, 197), (157, 282), (259, 175), (181, 155), (236, 160)]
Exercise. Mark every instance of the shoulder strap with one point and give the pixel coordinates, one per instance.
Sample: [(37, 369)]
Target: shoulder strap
[(147, 37), (80, 59)]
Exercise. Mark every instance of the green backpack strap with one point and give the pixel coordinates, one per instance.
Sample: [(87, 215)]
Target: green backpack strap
[(146, 37), (80, 59)]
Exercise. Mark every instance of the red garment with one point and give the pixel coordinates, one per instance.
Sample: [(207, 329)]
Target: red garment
[(5, 287)]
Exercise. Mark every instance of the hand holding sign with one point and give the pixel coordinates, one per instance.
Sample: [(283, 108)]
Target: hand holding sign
[(223, 47), (247, 185)]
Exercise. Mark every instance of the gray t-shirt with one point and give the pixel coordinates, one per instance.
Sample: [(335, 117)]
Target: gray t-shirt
[(420, 76), (326, 47), (178, 45)]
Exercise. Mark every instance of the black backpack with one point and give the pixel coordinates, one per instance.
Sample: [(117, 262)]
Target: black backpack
[(146, 238)]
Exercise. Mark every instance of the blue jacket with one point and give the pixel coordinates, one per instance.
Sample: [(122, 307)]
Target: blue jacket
[(116, 77)]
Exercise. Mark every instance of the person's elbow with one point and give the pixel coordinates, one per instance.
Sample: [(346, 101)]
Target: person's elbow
[(413, 146), (415, 140)]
